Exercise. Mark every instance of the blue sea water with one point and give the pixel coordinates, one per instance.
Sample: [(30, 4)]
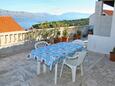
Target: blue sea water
[(27, 25), (25, 22)]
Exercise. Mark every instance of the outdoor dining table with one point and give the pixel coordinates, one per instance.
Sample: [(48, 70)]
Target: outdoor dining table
[(53, 54)]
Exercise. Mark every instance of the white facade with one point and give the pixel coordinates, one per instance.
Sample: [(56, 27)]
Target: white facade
[(101, 23), (92, 19), (113, 28), (100, 43)]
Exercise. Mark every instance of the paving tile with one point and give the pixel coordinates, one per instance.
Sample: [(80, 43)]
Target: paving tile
[(16, 70)]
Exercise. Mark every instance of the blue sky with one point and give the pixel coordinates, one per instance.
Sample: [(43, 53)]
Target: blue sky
[(49, 6)]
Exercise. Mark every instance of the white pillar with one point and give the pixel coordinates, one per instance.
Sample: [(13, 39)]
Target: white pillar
[(0, 41), (97, 22), (99, 7)]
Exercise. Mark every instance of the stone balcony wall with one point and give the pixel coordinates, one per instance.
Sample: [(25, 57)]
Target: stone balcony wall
[(14, 42)]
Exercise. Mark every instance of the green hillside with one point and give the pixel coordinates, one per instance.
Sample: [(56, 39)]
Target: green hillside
[(55, 24)]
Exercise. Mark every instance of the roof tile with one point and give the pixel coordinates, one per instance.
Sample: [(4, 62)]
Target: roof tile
[(8, 24), (108, 12)]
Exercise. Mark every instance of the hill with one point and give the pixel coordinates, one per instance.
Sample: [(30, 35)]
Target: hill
[(64, 23), (27, 19)]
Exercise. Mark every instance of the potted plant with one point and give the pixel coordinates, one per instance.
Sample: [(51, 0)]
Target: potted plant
[(90, 31), (50, 36), (45, 34), (57, 36), (112, 55), (65, 34), (77, 35)]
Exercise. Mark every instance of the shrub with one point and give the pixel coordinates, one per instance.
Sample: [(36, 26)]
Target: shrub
[(65, 33)]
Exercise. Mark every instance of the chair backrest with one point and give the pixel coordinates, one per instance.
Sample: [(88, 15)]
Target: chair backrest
[(79, 42), (85, 43), (41, 44), (81, 57)]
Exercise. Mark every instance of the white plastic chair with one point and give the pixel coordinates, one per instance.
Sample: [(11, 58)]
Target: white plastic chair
[(41, 44), (79, 42), (82, 43), (38, 45), (74, 64)]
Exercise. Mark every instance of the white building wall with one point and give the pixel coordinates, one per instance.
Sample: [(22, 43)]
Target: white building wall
[(102, 24), (100, 44), (103, 44), (92, 20), (113, 28)]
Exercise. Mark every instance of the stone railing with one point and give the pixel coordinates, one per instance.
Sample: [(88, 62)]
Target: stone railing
[(15, 38)]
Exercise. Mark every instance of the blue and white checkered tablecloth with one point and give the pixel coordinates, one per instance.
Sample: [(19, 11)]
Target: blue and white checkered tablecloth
[(52, 54)]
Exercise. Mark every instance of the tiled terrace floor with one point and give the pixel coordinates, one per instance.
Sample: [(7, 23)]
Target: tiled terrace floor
[(16, 70)]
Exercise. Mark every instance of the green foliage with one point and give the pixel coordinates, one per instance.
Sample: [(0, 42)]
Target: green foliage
[(57, 33), (113, 50), (79, 32), (51, 32), (65, 33), (64, 23), (45, 33)]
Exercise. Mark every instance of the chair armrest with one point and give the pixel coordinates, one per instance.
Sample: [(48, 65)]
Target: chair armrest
[(72, 58), (75, 56)]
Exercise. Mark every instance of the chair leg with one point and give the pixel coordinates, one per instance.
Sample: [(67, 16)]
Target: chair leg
[(73, 74), (44, 68), (87, 53), (55, 78), (38, 67), (81, 66), (61, 69)]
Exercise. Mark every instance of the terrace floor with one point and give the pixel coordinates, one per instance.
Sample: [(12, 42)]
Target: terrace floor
[(16, 70)]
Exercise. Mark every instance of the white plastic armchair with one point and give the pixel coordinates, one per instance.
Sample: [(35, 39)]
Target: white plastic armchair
[(38, 45), (41, 44), (82, 43), (74, 64), (79, 42)]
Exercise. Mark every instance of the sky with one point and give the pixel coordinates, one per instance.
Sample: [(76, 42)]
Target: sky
[(49, 6)]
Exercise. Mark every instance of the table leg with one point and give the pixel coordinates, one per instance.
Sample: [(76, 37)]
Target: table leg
[(55, 78), (38, 67), (44, 68)]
